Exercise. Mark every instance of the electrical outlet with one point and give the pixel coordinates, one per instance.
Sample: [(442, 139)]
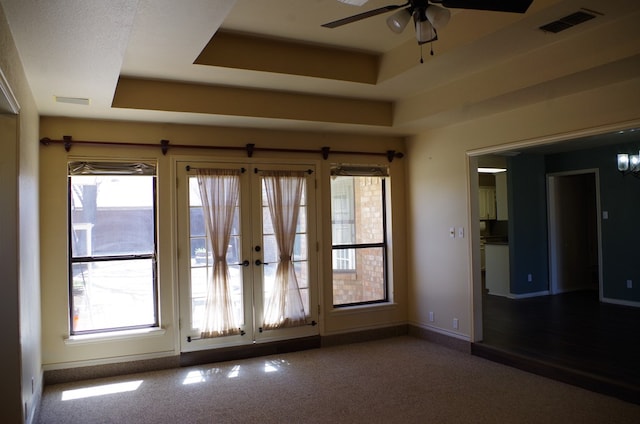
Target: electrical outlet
[(431, 317), (455, 323), (452, 232), (629, 284), (529, 277)]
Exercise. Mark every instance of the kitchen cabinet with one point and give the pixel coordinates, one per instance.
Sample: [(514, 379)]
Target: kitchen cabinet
[(502, 209), (487, 200)]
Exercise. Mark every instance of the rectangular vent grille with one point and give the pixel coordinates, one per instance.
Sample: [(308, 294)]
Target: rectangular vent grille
[(568, 21)]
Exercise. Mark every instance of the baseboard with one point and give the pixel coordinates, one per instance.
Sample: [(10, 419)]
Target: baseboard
[(437, 337), (364, 335), (109, 370), (35, 402), (248, 351), (621, 302), (528, 295)]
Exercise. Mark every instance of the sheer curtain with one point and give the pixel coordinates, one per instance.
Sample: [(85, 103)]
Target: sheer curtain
[(219, 191), (284, 308)]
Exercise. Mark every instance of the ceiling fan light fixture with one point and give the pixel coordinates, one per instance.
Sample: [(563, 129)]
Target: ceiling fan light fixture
[(438, 16), (425, 32), (399, 20)]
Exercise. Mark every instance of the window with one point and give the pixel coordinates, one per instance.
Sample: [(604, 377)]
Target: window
[(358, 227), (112, 246)]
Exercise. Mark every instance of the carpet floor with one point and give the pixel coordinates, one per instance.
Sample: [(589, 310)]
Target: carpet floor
[(395, 380)]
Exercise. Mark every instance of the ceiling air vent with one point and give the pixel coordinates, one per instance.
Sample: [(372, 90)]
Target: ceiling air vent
[(73, 100), (569, 21)]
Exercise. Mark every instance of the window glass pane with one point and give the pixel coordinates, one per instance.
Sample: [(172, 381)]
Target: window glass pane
[(270, 249), (196, 221), (343, 218), (112, 294), (112, 215), (300, 248), (301, 225), (267, 223), (302, 274), (369, 222), (366, 283)]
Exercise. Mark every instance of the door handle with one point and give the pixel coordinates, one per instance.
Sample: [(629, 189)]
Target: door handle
[(258, 262), (245, 263)]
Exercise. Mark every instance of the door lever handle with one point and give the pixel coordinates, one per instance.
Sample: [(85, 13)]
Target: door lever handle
[(245, 263), (258, 262)]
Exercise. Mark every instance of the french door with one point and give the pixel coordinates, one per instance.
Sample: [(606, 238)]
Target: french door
[(247, 254)]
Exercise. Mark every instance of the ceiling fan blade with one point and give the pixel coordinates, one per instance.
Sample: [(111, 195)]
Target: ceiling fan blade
[(515, 6), (363, 15)]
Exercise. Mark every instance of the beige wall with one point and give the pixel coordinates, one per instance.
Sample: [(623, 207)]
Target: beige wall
[(441, 271), (60, 353), (21, 383)]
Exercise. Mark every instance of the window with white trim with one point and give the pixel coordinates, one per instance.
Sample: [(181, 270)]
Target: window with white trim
[(359, 235), (112, 247)]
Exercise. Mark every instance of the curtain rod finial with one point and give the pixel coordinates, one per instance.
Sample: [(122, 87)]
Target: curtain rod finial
[(67, 142), (164, 144)]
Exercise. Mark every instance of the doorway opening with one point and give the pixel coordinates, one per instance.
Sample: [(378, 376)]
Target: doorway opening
[(574, 232)]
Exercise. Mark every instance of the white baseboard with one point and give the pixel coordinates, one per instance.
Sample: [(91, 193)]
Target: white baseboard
[(621, 302), (527, 295), (442, 331)]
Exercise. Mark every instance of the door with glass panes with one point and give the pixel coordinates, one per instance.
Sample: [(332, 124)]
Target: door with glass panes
[(247, 272)]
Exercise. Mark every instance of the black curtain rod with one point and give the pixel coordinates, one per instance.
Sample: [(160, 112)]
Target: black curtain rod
[(189, 168), (249, 148), (256, 170)]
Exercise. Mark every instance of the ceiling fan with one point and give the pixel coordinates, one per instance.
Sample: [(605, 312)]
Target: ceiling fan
[(428, 17)]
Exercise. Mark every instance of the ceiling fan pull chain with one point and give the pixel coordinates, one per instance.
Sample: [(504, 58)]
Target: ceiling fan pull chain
[(421, 59), (431, 45)]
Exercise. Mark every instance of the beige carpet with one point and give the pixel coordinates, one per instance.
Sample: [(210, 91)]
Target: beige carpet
[(397, 380)]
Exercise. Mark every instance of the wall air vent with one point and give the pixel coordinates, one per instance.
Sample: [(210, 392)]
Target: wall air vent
[(569, 21)]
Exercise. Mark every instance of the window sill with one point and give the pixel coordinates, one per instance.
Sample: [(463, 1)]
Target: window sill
[(114, 336), (359, 309)]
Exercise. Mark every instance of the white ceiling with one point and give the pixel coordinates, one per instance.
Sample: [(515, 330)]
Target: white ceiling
[(484, 62)]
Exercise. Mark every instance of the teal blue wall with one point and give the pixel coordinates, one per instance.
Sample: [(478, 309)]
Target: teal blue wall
[(527, 200)]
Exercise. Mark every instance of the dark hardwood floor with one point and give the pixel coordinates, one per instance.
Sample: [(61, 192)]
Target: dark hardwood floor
[(571, 337)]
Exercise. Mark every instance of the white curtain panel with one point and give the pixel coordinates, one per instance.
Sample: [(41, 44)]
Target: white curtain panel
[(219, 191), (284, 308)]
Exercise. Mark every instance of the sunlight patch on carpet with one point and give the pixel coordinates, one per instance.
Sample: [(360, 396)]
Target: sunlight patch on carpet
[(105, 389)]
